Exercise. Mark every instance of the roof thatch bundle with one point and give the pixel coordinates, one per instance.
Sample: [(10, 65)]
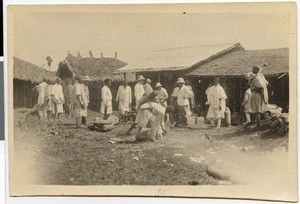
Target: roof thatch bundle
[(97, 68), (27, 71), (239, 63)]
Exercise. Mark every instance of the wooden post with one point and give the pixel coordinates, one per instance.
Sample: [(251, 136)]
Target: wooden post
[(158, 77)]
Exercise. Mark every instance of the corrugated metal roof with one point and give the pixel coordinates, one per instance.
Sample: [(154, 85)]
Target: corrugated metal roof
[(239, 63), (178, 58)]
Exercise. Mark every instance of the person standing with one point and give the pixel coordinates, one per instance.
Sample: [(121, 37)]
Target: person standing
[(41, 90), (216, 100), (57, 99), (162, 97), (79, 101), (139, 90), (173, 106), (124, 97), (85, 82), (184, 94), (191, 104), (106, 97), (259, 96), (68, 91), (247, 103), (147, 86), (47, 97)]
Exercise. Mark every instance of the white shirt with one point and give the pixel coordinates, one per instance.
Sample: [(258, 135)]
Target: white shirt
[(41, 90), (106, 95), (57, 91), (184, 94), (139, 91), (124, 94)]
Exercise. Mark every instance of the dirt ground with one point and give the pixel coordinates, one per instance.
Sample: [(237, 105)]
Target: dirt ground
[(58, 153)]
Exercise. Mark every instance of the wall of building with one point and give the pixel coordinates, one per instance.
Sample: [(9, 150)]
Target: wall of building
[(23, 95)]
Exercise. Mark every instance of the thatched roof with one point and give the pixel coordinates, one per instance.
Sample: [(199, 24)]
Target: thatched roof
[(96, 68), (27, 71), (179, 58), (239, 63)]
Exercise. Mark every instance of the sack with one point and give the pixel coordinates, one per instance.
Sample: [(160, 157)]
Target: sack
[(107, 128)]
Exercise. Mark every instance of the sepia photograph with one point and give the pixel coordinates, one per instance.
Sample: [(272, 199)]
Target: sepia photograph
[(188, 100)]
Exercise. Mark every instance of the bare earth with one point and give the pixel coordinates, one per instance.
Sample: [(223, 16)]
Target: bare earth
[(59, 154)]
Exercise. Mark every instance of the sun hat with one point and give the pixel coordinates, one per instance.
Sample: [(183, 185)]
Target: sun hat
[(148, 81), (140, 78), (86, 78), (158, 85), (180, 80)]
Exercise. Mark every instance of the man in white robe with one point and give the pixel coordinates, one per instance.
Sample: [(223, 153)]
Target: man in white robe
[(124, 97), (41, 90), (139, 90), (216, 100), (106, 97), (58, 99), (80, 101), (184, 95)]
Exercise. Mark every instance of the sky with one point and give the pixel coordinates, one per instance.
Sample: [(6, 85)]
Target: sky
[(38, 35)]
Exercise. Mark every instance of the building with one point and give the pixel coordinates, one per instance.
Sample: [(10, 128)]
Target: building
[(166, 65), (26, 77), (232, 68), (229, 62), (98, 69)]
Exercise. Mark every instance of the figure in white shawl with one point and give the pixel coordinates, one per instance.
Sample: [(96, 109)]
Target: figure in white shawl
[(41, 90), (216, 100), (57, 99), (124, 97), (106, 97), (259, 91)]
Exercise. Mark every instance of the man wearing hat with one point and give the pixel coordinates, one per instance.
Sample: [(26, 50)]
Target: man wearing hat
[(139, 90), (85, 82), (162, 94), (147, 86), (184, 94)]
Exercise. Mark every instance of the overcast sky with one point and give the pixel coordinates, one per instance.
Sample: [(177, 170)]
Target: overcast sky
[(37, 35)]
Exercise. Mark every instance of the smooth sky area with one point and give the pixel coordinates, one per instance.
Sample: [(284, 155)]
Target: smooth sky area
[(38, 35)]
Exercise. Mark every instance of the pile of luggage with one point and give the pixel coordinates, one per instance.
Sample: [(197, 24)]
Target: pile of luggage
[(101, 125), (280, 124)]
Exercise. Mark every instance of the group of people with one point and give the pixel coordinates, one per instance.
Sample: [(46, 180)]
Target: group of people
[(71, 98), (153, 106)]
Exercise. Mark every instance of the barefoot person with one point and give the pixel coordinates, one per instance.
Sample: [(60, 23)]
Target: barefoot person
[(124, 97), (259, 91), (106, 97), (216, 100)]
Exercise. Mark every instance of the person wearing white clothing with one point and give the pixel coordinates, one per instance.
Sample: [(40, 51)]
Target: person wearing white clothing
[(106, 96), (124, 97), (41, 90), (139, 90), (57, 99), (184, 94), (216, 100)]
